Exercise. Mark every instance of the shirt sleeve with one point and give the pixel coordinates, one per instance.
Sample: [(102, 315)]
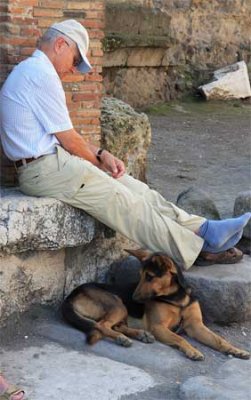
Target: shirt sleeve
[(48, 103)]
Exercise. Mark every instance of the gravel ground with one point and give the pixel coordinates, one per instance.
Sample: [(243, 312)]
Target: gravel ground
[(201, 144)]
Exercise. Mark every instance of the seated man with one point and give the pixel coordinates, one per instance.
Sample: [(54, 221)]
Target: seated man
[(53, 160)]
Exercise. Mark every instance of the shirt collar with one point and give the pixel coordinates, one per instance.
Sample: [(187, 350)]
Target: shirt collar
[(42, 56)]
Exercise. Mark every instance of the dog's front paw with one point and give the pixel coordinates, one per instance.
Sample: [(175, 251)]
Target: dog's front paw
[(123, 341), (238, 353), (145, 337), (195, 355)]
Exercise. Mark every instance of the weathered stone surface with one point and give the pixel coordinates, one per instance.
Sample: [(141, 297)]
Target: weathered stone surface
[(45, 277), (31, 223), (139, 86), (92, 262), (231, 82), (224, 291), (242, 205), (180, 30), (198, 202), (127, 134), (30, 278), (230, 382)]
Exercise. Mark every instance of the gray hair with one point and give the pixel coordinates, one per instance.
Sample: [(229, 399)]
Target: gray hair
[(50, 36)]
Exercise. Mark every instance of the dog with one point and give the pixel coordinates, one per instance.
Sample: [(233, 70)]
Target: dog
[(161, 296)]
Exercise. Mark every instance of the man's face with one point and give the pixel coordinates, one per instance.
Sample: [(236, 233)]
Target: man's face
[(67, 58)]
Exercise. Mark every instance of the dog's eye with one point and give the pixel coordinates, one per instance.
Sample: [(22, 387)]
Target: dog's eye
[(149, 277)]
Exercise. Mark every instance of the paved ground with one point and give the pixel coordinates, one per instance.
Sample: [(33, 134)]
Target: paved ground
[(51, 360)]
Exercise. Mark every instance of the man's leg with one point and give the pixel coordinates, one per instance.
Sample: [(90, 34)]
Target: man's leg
[(166, 208), (219, 236), (112, 203)]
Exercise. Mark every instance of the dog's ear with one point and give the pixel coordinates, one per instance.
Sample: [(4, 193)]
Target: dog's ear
[(170, 265), (141, 254)]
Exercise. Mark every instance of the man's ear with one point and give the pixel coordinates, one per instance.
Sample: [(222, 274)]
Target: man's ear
[(59, 44), (141, 254)]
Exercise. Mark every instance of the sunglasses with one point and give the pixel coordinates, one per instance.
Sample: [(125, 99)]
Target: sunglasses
[(76, 59)]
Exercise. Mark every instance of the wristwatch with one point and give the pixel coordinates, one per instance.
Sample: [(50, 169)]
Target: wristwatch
[(98, 154)]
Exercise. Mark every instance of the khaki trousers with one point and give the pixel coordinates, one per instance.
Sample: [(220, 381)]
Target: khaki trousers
[(125, 204)]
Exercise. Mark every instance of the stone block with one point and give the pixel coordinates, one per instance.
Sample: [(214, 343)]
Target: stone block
[(224, 291), (242, 205), (31, 223), (145, 57), (231, 82)]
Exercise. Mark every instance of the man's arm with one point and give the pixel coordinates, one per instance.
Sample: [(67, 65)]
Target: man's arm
[(76, 145)]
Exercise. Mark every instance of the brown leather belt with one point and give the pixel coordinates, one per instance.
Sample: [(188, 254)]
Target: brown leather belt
[(24, 161)]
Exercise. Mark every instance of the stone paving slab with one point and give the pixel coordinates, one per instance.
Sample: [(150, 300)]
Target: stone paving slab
[(52, 362)]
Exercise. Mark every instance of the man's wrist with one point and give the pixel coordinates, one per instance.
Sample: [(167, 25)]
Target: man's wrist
[(98, 154)]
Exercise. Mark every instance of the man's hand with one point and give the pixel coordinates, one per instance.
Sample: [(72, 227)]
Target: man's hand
[(111, 164)]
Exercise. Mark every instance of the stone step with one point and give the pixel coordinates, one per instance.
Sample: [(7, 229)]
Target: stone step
[(224, 291)]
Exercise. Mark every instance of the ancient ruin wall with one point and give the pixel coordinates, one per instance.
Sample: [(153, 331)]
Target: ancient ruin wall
[(158, 50), (22, 22)]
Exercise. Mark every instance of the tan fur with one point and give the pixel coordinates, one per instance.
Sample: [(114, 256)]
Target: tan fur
[(161, 317)]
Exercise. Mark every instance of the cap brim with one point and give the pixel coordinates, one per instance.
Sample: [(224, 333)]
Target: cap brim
[(84, 66)]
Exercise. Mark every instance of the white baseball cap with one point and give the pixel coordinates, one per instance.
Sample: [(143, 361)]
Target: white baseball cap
[(76, 32)]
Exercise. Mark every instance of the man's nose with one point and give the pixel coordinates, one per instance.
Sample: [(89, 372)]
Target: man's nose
[(73, 70)]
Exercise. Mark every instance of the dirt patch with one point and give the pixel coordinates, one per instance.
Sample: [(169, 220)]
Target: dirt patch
[(201, 144)]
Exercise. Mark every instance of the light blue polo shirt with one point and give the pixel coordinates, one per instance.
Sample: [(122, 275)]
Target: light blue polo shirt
[(32, 108)]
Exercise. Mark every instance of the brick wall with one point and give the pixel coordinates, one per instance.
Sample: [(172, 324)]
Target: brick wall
[(22, 22)]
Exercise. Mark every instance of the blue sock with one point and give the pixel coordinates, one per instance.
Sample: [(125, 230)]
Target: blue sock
[(218, 233), (228, 245)]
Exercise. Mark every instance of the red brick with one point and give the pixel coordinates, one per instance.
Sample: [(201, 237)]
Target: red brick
[(73, 78), (22, 20), (19, 41), (52, 4), (85, 97), (30, 32), (26, 2), (96, 34), (94, 24), (97, 52), (18, 10), (47, 12), (99, 15), (26, 51)]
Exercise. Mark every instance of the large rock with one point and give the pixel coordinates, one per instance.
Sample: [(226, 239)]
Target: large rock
[(127, 134), (198, 202), (242, 205), (231, 82)]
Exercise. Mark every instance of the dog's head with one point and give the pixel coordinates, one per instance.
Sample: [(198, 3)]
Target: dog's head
[(159, 276)]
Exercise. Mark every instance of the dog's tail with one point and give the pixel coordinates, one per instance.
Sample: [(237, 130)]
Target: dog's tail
[(80, 322)]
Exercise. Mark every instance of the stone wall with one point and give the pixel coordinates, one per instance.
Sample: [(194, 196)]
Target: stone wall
[(158, 50), (22, 22)]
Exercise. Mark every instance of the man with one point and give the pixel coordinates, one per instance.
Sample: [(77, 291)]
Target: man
[(53, 160)]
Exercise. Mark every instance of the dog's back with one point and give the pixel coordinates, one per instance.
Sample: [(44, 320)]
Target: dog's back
[(89, 303)]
